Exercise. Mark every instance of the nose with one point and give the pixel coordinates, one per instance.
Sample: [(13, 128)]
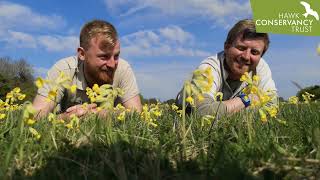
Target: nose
[(246, 54), (112, 62)]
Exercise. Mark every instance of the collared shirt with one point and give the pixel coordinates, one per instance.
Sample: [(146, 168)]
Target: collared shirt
[(229, 88), (73, 68)]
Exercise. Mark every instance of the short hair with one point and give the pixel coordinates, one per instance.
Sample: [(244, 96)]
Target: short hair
[(247, 29), (98, 27)]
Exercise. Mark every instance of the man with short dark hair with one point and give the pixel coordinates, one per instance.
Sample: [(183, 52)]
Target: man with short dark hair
[(97, 62), (242, 53)]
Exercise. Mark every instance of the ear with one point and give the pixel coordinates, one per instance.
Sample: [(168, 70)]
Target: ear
[(226, 46), (81, 53)]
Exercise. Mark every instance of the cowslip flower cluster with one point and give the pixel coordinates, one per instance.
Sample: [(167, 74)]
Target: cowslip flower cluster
[(120, 112), (293, 100), (104, 95), (151, 113), (260, 98), (74, 122), (202, 81), (175, 108), (307, 97), (61, 81), (29, 115), (9, 104)]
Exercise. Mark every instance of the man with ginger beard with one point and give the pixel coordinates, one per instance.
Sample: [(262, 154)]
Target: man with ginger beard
[(243, 51), (97, 62)]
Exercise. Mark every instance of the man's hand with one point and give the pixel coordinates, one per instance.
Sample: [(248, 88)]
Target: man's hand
[(81, 110)]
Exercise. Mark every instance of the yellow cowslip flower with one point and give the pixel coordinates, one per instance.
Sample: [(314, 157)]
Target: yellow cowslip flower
[(51, 117), (69, 125), (307, 97), (40, 82), (200, 97), (245, 77), (119, 107), (207, 119), (256, 79), (35, 133), (174, 107), (52, 94), (218, 96), (318, 49), (122, 116), (254, 90), (29, 112), (263, 116), (16, 90), (264, 99), (293, 100), (74, 122), (73, 88), (96, 88), (30, 122), (2, 116), (63, 80), (272, 111), (157, 113), (14, 95), (21, 96), (59, 121), (190, 100)]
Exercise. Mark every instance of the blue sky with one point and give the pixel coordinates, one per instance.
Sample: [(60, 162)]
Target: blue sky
[(163, 40)]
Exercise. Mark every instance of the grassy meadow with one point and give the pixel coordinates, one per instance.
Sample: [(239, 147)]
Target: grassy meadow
[(239, 146)]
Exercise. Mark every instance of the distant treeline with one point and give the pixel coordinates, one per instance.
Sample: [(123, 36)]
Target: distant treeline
[(16, 73)]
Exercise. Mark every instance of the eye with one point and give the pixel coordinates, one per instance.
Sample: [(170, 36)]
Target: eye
[(255, 52), (116, 57), (241, 48), (104, 57)]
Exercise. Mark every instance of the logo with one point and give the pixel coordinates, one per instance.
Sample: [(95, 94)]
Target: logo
[(309, 11), (287, 16)]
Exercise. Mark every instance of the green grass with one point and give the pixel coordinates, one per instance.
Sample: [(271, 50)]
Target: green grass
[(237, 147)]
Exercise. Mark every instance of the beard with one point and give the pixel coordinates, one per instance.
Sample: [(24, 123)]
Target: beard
[(100, 76)]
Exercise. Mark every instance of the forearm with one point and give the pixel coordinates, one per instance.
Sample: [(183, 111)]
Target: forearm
[(234, 105), (210, 107)]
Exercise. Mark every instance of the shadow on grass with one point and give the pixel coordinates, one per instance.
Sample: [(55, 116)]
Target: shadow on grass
[(125, 161)]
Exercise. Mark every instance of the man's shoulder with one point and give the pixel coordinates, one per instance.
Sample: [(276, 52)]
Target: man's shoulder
[(68, 63), (123, 65), (262, 66), (212, 61)]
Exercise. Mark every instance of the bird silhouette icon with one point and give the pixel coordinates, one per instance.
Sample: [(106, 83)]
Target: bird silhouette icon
[(309, 11)]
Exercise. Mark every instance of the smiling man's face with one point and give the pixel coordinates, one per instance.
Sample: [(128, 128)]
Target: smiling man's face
[(243, 55), (100, 61)]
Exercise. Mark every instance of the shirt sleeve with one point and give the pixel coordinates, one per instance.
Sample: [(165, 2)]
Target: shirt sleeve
[(52, 75), (128, 84), (267, 84)]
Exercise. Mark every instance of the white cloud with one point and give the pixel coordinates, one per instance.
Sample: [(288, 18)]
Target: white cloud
[(19, 40), (168, 41), (16, 15), (59, 43), (220, 11), (175, 33), (15, 39), (20, 26)]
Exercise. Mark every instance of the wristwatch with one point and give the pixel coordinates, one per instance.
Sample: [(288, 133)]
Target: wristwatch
[(245, 99)]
